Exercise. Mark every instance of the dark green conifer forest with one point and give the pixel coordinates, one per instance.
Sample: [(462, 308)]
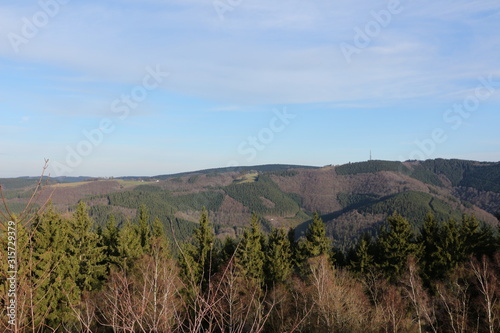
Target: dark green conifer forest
[(76, 276)]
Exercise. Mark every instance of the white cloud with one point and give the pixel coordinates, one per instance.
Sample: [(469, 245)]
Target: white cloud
[(267, 52)]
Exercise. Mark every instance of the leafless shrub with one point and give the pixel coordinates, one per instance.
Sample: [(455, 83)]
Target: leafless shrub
[(486, 279), (454, 301), (421, 304), (340, 304)]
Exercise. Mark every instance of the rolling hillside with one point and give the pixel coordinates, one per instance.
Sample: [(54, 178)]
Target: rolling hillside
[(352, 198)]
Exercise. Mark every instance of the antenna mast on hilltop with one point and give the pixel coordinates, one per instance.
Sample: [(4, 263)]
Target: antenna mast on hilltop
[(370, 155)]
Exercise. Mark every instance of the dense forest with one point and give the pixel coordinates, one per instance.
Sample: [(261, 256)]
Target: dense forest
[(376, 246), (76, 276), (352, 199)]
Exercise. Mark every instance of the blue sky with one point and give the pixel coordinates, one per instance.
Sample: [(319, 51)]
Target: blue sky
[(214, 83)]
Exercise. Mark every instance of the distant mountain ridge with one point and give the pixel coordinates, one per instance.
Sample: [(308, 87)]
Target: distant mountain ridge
[(352, 198), (258, 168)]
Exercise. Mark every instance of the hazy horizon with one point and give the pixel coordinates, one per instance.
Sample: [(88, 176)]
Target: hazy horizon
[(47, 174)]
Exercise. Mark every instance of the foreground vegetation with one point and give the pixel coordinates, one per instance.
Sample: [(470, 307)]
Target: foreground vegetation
[(76, 277)]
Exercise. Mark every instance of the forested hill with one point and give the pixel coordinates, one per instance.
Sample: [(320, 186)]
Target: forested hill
[(258, 168), (352, 199)]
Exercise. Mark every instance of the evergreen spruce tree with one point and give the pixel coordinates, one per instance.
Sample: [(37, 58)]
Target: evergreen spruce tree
[(363, 258), (56, 269), (157, 229), (83, 246), (250, 256), (452, 249), (197, 258), (159, 245), (109, 241), (470, 231), (129, 245), (498, 234), (279, 266), (458, 242), (395, 245), (479, 239), (295, 248), (433, 263), (228, 250), (315, 243), (486, 241), (144, 226)]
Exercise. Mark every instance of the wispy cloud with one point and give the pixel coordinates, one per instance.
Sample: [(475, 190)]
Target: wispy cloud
[(264, 53), (236, 59)]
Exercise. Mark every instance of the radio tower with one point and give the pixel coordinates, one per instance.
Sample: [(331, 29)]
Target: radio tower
[(370, 155)]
